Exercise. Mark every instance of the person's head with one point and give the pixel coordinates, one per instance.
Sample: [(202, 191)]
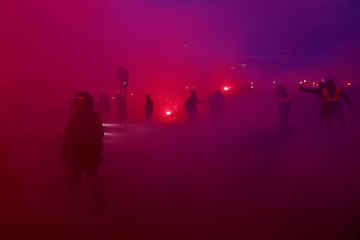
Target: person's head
[(218, 92), (82, 101), (147, 97), (193, 93), (330, 83)]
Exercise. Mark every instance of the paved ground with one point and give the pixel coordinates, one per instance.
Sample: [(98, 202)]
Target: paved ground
[(170, 182)]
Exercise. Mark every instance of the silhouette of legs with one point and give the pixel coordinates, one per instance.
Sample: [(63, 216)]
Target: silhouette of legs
[(74, 182), (284, 123), (96, 189)]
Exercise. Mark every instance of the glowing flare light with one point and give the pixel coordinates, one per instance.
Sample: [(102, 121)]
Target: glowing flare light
[(226, 88)]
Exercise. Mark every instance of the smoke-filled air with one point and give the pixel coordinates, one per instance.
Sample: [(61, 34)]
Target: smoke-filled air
[(204, 119)]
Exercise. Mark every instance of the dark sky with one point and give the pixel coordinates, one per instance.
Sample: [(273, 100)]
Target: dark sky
[(66, 45)]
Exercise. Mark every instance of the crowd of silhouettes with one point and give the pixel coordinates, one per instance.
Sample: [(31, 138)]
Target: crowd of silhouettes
[(83, 145), (331, 106)]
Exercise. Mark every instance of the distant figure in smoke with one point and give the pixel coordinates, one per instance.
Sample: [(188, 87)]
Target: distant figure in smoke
[(331, 108), (323, 105), (82, 149), (284, 109), (149, 109), (121, 108), (104, 107), (323, 109), (217, 106), (191, 107)]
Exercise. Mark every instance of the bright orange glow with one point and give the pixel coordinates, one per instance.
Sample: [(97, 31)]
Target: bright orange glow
[(168, 113), (348, 84)]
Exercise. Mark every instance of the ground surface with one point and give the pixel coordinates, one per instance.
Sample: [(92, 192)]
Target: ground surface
[(171, 182)]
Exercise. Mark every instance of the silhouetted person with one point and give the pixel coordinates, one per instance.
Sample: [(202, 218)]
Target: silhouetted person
[(121, 108), (331, 108), (191, 107), (217, 106), (149, 109), (322, 114), (284, 108), (280, 90), (104, 107), (82, 150)]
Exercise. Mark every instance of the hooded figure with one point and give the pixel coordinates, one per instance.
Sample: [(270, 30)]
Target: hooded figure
[(83, 146)]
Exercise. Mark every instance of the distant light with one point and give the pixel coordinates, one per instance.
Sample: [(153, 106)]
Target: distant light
[(300, 82), (348, 84), (111, 124), (316, 85), (187, 87), (243, 65), (252, 83), (168, 113), (305, 81), (274, 82), (113, 134), (186, 45), (233, 68), (323, 79), (226, 88), (251, 87), (113, 98), (131, 94)]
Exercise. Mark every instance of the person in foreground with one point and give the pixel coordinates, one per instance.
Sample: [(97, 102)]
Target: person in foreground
[(82, 151)]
